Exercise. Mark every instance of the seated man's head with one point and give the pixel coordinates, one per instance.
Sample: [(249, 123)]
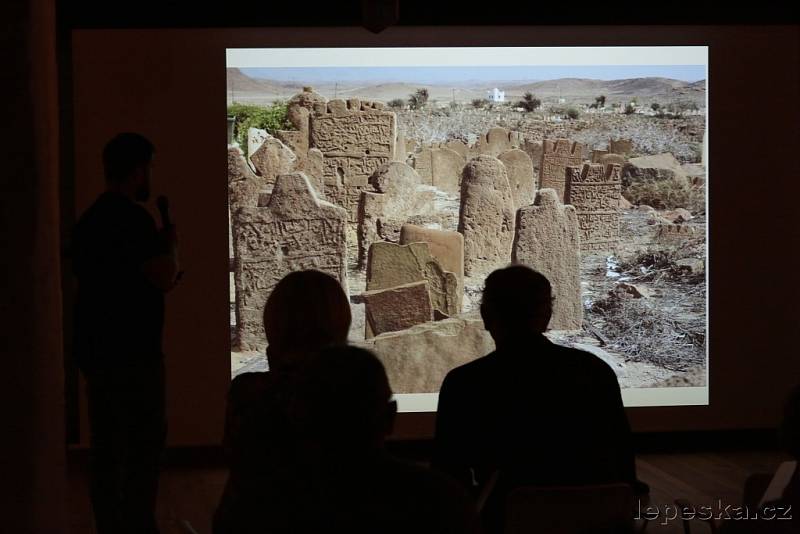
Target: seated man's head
[(306, 311), (343, 401), (517, 301), (127, 161)]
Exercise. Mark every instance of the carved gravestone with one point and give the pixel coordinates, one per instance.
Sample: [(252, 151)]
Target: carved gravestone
[(595, 190), (556, 157), (355, 138), (294, 231)]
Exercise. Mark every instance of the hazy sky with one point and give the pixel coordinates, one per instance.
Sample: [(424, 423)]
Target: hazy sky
[(444, 75)]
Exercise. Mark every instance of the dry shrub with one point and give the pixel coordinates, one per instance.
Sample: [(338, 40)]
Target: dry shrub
[(661, 264), (667, 194), (648, 334)]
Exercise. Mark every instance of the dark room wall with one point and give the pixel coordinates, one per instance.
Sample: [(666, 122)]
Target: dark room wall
[(170, 85)]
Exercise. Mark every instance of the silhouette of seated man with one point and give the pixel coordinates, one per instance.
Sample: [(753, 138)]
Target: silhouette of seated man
[(779, 502), (306, 311), (342, 410), (531, 412)]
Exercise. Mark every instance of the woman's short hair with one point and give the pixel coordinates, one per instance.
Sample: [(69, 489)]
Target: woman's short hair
[(306, 311)]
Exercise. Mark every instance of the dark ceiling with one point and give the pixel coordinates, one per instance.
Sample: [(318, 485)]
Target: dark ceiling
[(264, 13)]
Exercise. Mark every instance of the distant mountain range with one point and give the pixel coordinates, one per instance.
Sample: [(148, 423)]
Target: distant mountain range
[(244, 88)]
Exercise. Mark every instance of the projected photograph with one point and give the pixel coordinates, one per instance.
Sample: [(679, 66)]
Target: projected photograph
[(410, 174)]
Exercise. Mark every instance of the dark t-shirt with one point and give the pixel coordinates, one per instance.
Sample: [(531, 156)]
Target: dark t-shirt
[(539, 413), (119, 314)]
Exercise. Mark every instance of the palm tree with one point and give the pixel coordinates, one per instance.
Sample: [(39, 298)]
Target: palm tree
[(418, 99)]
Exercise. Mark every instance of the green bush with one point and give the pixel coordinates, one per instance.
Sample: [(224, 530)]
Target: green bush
[(480, 103), (629, 109), (397, 103), (573, 113), (270, 118)]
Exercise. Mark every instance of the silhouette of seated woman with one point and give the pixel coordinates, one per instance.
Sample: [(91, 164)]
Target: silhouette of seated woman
[(531, 412), (306, 311), (342, 411)]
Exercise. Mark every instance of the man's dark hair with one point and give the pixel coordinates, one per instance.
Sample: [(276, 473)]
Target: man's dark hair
[(124, 154), (516, 295)]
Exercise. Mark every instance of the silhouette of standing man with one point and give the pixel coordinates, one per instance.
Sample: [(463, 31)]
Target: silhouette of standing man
[(124, 265)]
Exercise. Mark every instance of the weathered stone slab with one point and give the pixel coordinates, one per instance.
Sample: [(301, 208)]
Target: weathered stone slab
[(440, 167), (271, 157), (446, 246), (652, 169), (244, 185), (612, 159), (487, 216), (598, 154), (299, 110), (417, 359), (547, 241), (459, 147), (623, 147), (397, 308), (520, 176), (496, 141), (396, 198), (392, 265)]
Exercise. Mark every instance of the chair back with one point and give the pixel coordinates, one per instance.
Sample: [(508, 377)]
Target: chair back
[(606, 509)]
